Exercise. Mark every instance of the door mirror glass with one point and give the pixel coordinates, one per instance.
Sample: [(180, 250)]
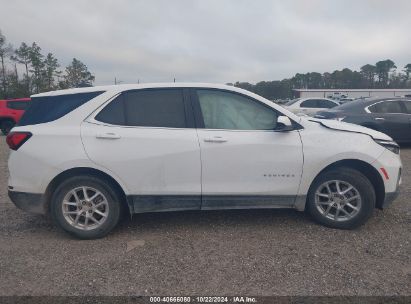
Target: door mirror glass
[(284, 124)]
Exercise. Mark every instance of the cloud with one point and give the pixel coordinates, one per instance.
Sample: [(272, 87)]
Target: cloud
[(212, 41)]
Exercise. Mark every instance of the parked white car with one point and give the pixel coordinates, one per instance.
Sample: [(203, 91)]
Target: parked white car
[(310, 106), (84, 155)]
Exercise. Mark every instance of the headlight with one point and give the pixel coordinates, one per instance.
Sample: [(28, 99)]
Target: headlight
[(390, 145)]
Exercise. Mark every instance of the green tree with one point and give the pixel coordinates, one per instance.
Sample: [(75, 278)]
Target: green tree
[(22, 56), (407, 70), (368, 72), (5, 51), (37, 64), (78, 75), (50, 69), (383, 69)]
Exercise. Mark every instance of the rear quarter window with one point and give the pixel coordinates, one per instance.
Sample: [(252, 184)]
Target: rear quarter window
[(18, 105), (49, 108)]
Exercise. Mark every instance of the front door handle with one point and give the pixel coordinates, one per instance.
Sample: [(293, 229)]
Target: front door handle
[(379, 118), (216, 139), (108, 136)]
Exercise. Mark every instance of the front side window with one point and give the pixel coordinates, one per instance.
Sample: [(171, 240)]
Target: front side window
[(114, 112), (146, 108), (386, 107), (226, 110), (327, 104), (309, 103)]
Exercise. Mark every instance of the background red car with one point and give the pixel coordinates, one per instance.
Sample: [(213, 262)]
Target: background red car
[(11, 111)]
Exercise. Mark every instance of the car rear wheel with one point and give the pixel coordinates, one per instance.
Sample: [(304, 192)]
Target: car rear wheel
[(342, 198), (6, 126), (85, 207)]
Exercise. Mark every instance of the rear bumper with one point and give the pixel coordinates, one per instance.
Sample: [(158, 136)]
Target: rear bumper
[(30, 202)]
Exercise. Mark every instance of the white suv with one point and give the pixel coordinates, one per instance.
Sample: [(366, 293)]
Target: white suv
[(84, 155)]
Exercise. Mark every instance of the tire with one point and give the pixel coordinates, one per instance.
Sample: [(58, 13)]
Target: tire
[(65, 207), (354, 207), (6, 126)]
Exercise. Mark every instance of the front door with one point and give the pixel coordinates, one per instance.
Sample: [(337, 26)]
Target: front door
[(391, 119), (245, 162), (407, 107), (144, 137)]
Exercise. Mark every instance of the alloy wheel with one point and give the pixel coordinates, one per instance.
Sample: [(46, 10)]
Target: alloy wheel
[(338, 200), (85, 208)]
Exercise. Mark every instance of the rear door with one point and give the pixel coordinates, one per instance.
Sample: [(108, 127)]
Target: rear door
[(245, 162), (391, 119), (147, 139)]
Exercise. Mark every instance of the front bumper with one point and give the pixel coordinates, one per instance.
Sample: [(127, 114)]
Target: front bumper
[(30, 202), (389, 198)]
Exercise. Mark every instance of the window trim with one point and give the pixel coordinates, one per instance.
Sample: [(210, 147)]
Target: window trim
[(199, 120), (188, 114)]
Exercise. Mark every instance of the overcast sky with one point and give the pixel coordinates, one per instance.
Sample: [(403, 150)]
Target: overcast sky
[(212, 41)]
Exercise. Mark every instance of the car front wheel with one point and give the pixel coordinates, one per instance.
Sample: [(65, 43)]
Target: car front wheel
[(341, 198), (85, 207)]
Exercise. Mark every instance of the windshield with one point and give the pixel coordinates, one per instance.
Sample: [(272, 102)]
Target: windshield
[(292, 102)]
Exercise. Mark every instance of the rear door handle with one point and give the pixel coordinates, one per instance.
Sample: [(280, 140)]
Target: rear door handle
[(108, 136), (379, 118), (216, 139)]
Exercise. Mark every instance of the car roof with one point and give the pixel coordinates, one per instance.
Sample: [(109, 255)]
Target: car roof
[(124, 87), (16, 99)]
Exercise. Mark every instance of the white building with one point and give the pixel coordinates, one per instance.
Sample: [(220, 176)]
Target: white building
[(352, 93)]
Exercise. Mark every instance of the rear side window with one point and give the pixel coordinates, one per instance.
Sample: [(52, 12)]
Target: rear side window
[(146, 108), (325, 104), (18, 105), (407, 104), (49, 108), (386, 107), (310, 103)]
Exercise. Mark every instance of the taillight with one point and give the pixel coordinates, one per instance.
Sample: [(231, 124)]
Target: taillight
[(16, 139)]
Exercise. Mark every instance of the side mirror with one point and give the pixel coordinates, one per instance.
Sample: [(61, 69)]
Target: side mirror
[(284, 124)]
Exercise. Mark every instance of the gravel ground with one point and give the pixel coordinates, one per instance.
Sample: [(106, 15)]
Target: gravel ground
[(275, 252)]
